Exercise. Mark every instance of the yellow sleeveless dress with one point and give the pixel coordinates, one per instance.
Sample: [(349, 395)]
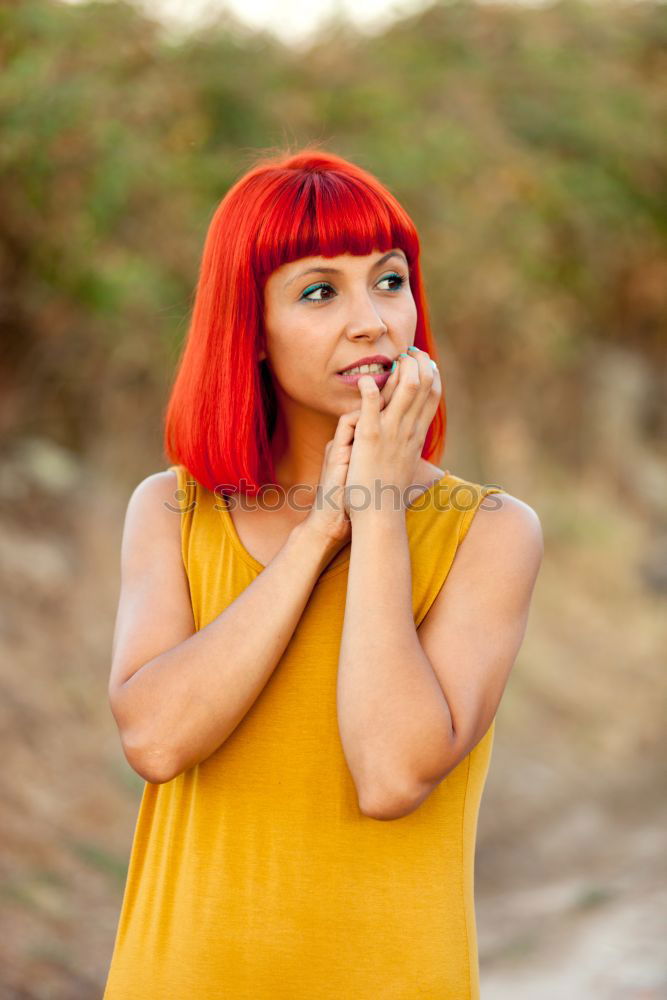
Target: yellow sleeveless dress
[(253, 875)]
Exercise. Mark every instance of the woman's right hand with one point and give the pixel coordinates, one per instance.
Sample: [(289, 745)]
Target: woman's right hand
[(327, 516)]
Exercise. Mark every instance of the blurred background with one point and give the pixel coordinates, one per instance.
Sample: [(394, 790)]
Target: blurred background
[(529, 144)]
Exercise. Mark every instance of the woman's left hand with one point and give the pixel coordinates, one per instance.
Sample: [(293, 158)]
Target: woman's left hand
[(389, 435)]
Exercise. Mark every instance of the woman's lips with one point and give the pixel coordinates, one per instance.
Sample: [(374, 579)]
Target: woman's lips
[(380, 377)]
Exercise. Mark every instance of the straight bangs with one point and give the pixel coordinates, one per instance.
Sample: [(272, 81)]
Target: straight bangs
[(327, 214)]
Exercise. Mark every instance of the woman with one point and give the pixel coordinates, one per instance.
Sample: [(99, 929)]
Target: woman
[(305, 676)]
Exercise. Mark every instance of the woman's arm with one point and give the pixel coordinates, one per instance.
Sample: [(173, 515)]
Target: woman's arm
[(392, 716), (176, 694), (412, 703)]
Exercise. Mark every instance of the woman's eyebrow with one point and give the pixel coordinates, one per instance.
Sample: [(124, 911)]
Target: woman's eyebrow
[(336, 270)]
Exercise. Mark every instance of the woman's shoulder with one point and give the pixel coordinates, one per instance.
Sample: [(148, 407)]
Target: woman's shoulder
[(154, 501), (159, 486), (504, 514), (505, 526), (158, 520)]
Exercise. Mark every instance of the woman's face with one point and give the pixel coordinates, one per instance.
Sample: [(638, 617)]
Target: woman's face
[(342, 310)]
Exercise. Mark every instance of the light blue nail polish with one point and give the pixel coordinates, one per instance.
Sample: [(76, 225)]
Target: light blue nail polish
[(433, 363), (413, 348), (403, 355), (393, 364)]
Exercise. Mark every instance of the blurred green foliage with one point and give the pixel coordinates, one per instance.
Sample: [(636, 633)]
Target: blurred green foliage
[(529, 146)]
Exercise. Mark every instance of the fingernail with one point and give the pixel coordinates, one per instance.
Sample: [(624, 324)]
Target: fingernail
[(393, 365), (413, 348), (404, 355), (433, 363)]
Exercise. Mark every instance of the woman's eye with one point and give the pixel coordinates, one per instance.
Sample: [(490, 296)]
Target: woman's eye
[(394, 277), (315, 288), (308, 293)]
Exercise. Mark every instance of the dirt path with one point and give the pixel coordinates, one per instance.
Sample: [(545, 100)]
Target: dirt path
[(598, 932)]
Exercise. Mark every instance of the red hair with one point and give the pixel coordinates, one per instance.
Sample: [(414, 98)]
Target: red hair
[(222, 408)]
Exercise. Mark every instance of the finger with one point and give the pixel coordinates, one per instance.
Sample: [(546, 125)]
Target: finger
[(388, 389), (370, 402), (335, 464), (432, 401), (424, 394), (406, 389), (426, 403), (336, 450), (344, 433)]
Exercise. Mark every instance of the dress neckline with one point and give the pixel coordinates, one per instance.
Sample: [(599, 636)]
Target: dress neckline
[(342, 557)]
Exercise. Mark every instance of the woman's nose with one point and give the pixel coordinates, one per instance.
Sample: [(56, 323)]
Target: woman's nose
[(365, 321)]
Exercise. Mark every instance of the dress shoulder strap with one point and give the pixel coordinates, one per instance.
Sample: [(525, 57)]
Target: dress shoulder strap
[(437, 530), (185, 502)]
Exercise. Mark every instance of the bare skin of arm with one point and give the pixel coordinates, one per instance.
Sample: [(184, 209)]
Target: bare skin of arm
[(176, 694), (413, 702)]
